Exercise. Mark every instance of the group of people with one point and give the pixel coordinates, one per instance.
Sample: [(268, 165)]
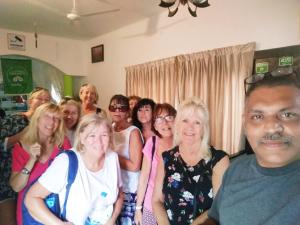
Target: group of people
[(147, 163)]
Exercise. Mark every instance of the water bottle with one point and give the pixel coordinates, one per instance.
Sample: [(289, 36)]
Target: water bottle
[(100, 213)]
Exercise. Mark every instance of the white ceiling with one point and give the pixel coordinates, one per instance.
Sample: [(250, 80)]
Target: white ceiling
[(50, 16)]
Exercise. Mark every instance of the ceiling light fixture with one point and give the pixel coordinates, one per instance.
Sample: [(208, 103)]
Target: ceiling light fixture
[(197, 3)]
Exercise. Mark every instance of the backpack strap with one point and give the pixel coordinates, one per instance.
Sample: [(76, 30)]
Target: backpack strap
[(72, 171)]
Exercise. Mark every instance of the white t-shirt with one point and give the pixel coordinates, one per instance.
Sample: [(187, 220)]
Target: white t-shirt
[(88, 187), (121, 146)]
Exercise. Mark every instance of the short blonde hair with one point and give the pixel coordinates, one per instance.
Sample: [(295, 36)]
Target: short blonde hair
[(31, 135), (95, 120), (91, 88), (36, 93), (194, 106), (70, 101)]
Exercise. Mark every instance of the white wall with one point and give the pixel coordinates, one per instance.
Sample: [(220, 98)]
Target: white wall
[(65, 54), (270, 23)]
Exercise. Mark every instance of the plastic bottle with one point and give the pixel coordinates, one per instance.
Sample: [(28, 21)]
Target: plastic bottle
[(99, 214)]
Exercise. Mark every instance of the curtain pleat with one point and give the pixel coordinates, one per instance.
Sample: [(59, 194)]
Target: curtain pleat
[(152, 80), (215, 76)]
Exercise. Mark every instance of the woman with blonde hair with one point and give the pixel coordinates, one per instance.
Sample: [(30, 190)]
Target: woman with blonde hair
[(190, 174), (41, 142), (15, 123), (71, 111), (95, 196), (37, 97), (89, 96)]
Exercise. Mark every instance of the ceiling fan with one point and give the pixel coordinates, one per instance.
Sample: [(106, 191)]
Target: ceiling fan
[(73, 14)]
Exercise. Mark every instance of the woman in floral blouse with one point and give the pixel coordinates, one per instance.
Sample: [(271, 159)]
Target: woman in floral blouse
[(190, 174)]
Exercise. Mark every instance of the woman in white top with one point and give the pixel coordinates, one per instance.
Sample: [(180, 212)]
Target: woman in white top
[(128, 145), (97, 185)]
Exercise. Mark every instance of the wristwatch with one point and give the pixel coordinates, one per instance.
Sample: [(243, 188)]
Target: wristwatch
[(138, 207), (25, 171)]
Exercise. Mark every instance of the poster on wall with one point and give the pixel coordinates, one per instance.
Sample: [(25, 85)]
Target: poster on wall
[(17, 76)]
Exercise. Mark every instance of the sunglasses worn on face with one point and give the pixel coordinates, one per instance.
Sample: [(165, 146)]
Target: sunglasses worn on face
[(256, 78), (161, 119), (121, 108)]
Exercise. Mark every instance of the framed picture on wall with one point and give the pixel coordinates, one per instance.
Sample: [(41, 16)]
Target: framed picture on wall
[(97, 53)]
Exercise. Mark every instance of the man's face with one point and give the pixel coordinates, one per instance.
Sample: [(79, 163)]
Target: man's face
[(272, 124)]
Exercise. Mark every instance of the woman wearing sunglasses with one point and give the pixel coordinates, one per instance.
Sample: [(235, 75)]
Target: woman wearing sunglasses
[(128, 145), (162, 125)]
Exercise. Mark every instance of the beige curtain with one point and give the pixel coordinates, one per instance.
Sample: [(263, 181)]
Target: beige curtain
[(215, 76), (154, 80)]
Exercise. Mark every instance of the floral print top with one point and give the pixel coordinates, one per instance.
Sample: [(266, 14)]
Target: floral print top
[(9, 126), (187, 189)]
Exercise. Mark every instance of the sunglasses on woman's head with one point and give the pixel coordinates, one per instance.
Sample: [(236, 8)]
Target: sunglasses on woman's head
[(256, 78), (121, 108)]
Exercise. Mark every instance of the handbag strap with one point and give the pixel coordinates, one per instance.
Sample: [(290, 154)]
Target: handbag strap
[(153, 151), (72, 171), (153, 148)]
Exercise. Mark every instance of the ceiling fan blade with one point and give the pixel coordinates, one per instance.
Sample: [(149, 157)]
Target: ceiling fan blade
[(99, 13)]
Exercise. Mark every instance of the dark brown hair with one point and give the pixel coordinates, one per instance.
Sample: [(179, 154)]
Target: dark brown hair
[(159, 108)]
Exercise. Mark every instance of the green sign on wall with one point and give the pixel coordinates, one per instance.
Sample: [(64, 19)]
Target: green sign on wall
[(286, 61), (17, 76), (262, 67)]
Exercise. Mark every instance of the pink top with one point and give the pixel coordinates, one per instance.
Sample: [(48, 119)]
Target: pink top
[(147, 151), (19, 159)]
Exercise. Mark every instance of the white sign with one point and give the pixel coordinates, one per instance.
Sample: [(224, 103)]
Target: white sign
[(16, 41)]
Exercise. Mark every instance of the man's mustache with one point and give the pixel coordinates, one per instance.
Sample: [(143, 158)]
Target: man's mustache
[(276, 137)]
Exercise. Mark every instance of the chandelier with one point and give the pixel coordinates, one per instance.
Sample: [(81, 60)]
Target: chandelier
[(190, 3)]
